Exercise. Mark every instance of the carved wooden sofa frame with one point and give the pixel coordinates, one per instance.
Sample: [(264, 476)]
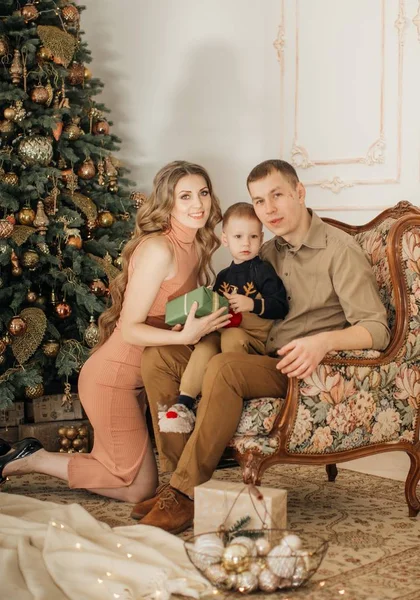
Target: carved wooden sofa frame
[(355, 404)]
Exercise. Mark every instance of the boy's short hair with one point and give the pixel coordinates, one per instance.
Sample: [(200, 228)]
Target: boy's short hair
[(268, 166), (240, 210)]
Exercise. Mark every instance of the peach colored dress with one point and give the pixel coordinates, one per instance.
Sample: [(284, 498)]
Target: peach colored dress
[(110, 381)]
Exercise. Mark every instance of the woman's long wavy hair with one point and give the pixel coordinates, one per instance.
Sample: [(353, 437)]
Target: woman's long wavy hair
[(153, 218)]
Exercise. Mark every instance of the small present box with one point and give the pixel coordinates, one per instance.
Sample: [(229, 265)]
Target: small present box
[(208, 302), (12, 415), (50, 408), (224, 503)]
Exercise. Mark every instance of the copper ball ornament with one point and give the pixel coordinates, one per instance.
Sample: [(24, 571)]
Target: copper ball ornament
[(88, 74), (26, 216), (17, 271), (76, 74), (6, 229), (87, 169), (71, 433), (34, 391), (105, 219), (62, 431), (51, 348), (29, 13), (73, 131), (83, 431), (78, 443), (17, 326), (63, 310), (138, 199), (11, 179), (44, 53), (40, 95), (75, 241), (101, 127), (98, 287), (70, 13), (118, 262), (31, 297), (65, 442)]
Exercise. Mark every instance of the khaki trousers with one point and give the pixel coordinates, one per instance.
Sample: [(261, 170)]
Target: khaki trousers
[(230, 379)]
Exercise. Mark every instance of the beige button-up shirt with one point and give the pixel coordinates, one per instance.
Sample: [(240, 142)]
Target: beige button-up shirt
[(330, 285)]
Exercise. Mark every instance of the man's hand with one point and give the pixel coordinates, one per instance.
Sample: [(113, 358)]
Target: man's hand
[(239, 302), (302, 356)]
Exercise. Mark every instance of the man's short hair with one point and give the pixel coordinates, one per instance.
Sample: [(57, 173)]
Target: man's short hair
[(240, 210), (268, 166)]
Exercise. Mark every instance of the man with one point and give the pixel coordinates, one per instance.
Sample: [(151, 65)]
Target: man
[(333, 305)]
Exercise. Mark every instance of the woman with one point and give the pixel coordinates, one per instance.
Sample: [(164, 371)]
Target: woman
[(168, 256)]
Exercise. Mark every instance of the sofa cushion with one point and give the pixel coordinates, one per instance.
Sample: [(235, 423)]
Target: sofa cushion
[(258, 416)]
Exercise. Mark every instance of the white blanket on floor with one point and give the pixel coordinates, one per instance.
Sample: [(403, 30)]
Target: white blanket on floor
[(53, 551)]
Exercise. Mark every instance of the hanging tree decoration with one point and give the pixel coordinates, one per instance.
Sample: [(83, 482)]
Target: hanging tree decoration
[(24, 346), (16, 68), (61, 44)]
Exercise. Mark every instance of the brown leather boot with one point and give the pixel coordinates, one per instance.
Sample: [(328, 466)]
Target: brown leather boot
[(141, 509), (173, 512)]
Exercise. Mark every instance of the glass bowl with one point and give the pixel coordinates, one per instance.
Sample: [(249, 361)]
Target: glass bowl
[(265, 560)]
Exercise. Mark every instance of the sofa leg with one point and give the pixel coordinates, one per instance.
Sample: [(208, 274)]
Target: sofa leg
[(332, 472), (251, 469), (411, 484)]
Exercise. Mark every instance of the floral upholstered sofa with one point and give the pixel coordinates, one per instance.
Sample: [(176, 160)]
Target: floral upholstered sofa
[(356, 403)]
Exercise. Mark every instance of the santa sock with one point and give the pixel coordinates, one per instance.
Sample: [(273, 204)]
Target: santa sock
[(177, 419)]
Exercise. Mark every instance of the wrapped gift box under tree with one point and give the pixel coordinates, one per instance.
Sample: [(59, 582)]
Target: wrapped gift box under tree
[(208, 302), (223, 503)]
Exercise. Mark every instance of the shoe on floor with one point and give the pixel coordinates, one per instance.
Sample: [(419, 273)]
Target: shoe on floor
[(176, 419), (173, 512), (141, 509)]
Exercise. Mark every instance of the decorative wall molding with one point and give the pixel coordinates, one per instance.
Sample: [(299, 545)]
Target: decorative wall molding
[(416, 21), (376, 152)]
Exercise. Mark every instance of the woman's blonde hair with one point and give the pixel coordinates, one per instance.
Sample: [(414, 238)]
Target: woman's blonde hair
[(153, 218)]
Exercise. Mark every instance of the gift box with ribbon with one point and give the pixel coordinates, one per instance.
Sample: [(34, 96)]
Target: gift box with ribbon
[(208, 302), (224, 503)]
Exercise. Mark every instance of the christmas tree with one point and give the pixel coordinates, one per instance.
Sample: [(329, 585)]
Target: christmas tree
[(66, 211)]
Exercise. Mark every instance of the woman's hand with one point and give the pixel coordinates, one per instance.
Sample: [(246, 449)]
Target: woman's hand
[(196, 328)]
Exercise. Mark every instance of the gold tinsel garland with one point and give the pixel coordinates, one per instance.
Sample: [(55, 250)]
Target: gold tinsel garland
[(21, 234), (25, 345), (59, 42), (83, 203), (108, 267)]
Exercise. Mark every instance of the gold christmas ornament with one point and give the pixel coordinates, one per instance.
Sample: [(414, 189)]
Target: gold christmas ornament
[(41, 220), (30, 259), (34, 391), (4, 46), (83, 431), (20, 112), (236, 558), (9, 113), (70, 13), (35, 150), (105, 219), (61, 44), (74, 240), (63, 310), (101, 127), (92, 333), (31, 296), (44, 53), (88, 74), (98, 287), (40, 95), (29, 13), (57, 131), (6, 229), (25, 345), (17, 271), (51, 348), (7, 129), (11, 179), (73, 130), (65, 442), (72, 433), (50, 204), (87, 169), (16, 326), (138, 199), (118, 262), (62, 431), (3, 347), (110, 270), (7, 339), (16, 69), (76, 74), (78, 443), (26, 216)]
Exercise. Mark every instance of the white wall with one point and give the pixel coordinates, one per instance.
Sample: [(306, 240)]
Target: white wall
[(330, 85)]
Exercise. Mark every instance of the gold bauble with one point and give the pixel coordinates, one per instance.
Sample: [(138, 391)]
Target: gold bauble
[(9, 113), (78, 443), (70, 13), (65, 442), (11, 179), (74, 240), (30, 259), (4, 46), (235, 558), (71, 433), (118, 262), (44, 53), (34, 391), (98, 287), (73, 131), (138, 199), (6, 229), (83, 431), (92, 333), (3, 347), (41, 301), (51, 348), (76, 74), (63, 310), (105, 219), (100, 127), (7, 339), (88, 74), (17, 326), (40, 95), (17, 271), (29, 13), (7, 130), (26, 216), (87, 169), (31, 296), (62, 431), (35, 150)]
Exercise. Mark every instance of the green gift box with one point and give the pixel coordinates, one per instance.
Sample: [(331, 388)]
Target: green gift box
[(208, 302)]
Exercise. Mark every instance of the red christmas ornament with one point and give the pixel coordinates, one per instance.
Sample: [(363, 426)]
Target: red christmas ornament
[(235, 320)]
